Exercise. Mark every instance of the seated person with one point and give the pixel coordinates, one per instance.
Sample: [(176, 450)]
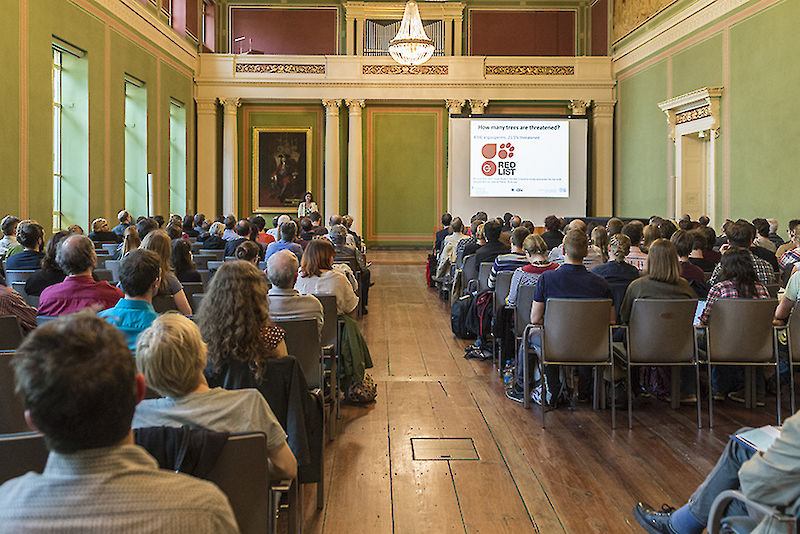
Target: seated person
[(169, 286), (284, 302), (636, 256), (794, 225), (789, 299), (139, 276), (598, 244), (318, 277), (617, 272), (242, 235), (171, 355), (306, 231), (50, 273), (553, 236), (762, 235), (438, 242), (514, 259), (771, 478), (571, 280), (214, 240), (493, 247), (12, 303), (316, 221), (96, 480), (182, 263), (229, 233), (77, 258), (247, 251), (476, 241), (699, 246), (30, 236), (684, 242), (740, 237), (352, 257), (125, 221), (188, 226), (347, 220), (450, 244), (9, 228), (257, 233), (792, 255), (101, 233), (535, 250), (286, 242)]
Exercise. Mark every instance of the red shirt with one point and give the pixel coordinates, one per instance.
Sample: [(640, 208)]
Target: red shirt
[(76, 293), (539, 268)]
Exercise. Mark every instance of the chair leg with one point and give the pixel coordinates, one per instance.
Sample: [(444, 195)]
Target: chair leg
[(710, 398), (613, 397), (697, 389), (294, 507), (748, 388), (778, 388), (526, 399), (544, 395), (630, 397), (674, 387), (791, 381)]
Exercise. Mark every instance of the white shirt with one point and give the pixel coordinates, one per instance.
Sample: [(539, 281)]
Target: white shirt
[(333, 283)]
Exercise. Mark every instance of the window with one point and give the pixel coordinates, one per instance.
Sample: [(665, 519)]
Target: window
[(208, 21), (136, 184), (70, 136), (177, 157)]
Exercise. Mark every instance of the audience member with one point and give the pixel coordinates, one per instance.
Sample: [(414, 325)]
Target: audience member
[(182, 262), (711, 238), (740, 235), (792, 255), (762, 235), (257, 233), (145, 225), (469, 246), (768, 478), (200, 226), (699, 246), (599, 243), (101, 234), (214, 240), (316, 221), (684, 243), (307, 206), (242, 235), (159, 219), (50, 273), (285, 303), (169, 285), (438, 244), (773, 233), (174, 231), (571, 280), (30, 235), (348, 223), (649, 234), (789, 245), (12, 303), (617, 272), (529, 225), (788, 301), (450, 243), (124, 219), (306, 231), (317, 276), (188, 226), (77, 258), (666, 228), (636, 256), (172, 356), (139, 274), (757, 251), (80, 389), (552, 235), (9, 228), (130, 241), (535, 250), (230, 224), (614, 226), (286, 242), (247, 251), (512, 260), (703, 220), (346, 255), (493, 246)]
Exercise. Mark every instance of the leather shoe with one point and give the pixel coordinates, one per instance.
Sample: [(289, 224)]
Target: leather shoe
[(654, 521)]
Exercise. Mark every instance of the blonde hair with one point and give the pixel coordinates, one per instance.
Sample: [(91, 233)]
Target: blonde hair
[(171, 355), (217, 229), (534, 244), (662, 262), (619, 247), (98, 224), (650, 235), (159, 242), (130, 240)]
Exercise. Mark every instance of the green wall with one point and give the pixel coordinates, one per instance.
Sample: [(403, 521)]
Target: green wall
[(757, 145), (112, 50)]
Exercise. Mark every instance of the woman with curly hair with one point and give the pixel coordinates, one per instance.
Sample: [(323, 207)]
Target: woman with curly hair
[(235, 324), (159, 242)]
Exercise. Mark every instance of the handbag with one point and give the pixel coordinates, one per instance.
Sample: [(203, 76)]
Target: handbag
[(363, 392)]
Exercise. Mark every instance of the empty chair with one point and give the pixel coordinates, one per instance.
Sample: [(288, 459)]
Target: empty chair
[(10, 332), (218, 254), (661, 332), (561, 346), (483, 276), (21, 453), (197, 298), (105, 274), (729, 343), (30, 300), (18, 276), (113, 267), (502, 285), (12, 409), (192, 288), (331, 333)]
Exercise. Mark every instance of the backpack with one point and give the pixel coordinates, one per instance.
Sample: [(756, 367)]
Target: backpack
[(480, 316), (458, 317), (430, 270)]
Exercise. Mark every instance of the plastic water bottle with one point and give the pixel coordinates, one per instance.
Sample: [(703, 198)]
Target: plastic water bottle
[(508, 376)]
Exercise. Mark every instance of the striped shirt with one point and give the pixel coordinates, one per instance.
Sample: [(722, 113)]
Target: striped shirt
[(112, 489), (506, 262), (12, 303), (790, 257)]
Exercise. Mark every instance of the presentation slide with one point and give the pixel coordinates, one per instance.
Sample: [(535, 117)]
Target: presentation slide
[(519, 158)]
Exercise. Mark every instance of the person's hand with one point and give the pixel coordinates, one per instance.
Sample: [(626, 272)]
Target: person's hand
[(778, 322)]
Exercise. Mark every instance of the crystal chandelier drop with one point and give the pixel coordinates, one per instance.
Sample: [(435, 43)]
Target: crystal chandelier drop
[(411, 45)]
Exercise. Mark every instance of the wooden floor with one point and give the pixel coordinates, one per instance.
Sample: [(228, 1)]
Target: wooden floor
[(575, 476)]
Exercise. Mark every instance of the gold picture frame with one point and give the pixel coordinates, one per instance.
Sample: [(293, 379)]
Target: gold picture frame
[(282, 168)]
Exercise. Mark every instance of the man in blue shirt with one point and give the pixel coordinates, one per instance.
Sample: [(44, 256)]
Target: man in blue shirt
[(139, 275), (570, 281), (288, 232)]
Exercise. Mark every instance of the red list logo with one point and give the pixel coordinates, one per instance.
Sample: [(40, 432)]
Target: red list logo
[(490, 151)]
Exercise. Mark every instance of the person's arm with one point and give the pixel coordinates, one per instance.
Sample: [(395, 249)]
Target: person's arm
[(772, 478), (26, 314), (280, 349), (181, 303), (537, 313), (282, 463), (782, 311)]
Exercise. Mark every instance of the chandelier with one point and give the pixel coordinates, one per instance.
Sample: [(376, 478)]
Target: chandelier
[(411, 45)]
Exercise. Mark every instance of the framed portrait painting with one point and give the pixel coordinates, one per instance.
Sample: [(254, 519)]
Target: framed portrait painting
[(281, 168)]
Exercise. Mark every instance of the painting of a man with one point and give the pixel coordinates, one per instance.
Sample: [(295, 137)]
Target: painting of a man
[(281, 168)]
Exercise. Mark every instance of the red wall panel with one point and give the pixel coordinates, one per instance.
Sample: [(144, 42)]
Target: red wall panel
[(193, 17), (599, 37), (522, 33), (285, 31)]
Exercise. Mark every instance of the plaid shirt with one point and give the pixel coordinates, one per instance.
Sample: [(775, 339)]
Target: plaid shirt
[(790, 257), (463, 244), (637, 258), (12, 303), (763, 269), (727, 290)]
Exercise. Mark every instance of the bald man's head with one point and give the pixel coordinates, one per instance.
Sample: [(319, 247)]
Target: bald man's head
[(282, 269), (577, 224), (76, 255)]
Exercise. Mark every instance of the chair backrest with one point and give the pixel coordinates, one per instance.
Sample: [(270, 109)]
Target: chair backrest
[(110, 247), (192, 288), (772, 289), (662, 330), (740, 330), (113, 267), (196, 246), (502, 284), (104, 274), (205, 276), (241, 472), (302, 342), (164, 303), (330, 330), (12, 409), (218, 254), (30, 300), (41, 319), (469, 269), (10, 332), (522, 315), (484, 271), (197, 298), (19, 287), (21, 453), (18, 276), (201, 261), (576, 330), (214, 265)]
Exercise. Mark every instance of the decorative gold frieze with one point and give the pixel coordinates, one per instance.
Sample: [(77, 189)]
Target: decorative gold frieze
[(529, 70), (426, 70), (693, 115), (279, 68)]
